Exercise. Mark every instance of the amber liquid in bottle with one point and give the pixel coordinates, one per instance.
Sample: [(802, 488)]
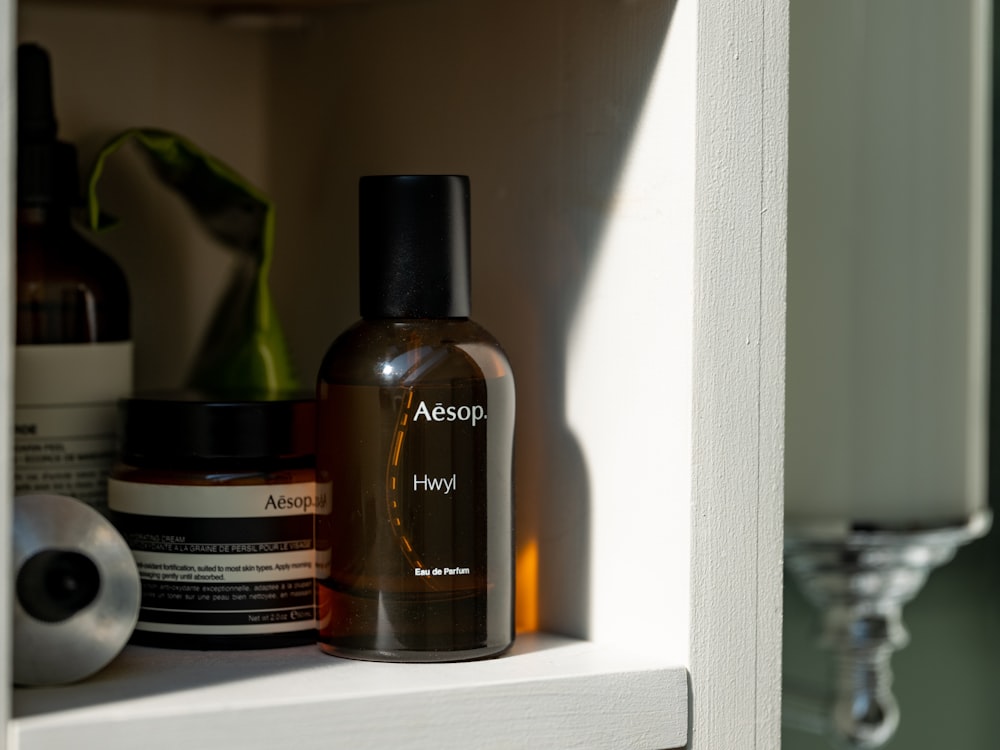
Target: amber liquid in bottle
[(415, 445), (68, 292)]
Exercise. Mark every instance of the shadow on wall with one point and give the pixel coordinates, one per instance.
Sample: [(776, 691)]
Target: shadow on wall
[(540, 116)]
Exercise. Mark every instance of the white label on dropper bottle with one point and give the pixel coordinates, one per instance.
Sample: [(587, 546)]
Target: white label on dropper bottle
[(65, 437)]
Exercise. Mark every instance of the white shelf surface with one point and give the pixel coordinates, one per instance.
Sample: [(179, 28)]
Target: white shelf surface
[(549, 691)]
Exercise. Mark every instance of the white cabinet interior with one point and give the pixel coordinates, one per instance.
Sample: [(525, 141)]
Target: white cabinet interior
[(627, 167)]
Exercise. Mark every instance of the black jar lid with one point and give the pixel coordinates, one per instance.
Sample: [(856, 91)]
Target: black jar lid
[(189, 428)]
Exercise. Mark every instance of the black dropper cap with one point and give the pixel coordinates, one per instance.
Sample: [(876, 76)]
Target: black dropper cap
[(414, 246), (36, 127)]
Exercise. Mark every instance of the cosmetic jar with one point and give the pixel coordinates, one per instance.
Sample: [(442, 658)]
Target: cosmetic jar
[(216, 498)]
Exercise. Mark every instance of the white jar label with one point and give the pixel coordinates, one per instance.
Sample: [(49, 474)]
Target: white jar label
[(221, 559), (65, 417)]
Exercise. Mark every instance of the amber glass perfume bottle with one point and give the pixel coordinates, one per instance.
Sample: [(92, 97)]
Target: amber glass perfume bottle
[(73, 359), (415, 441)]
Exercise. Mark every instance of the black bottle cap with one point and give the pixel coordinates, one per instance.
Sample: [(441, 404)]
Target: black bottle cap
[(36, 117), (36, 127), (414, 246)]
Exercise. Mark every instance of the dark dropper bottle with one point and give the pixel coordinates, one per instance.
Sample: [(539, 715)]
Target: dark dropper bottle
[(68, 291), (415, 441), (73, 359)]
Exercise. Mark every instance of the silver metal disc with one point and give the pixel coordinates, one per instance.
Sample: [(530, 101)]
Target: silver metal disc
[(77, 590)]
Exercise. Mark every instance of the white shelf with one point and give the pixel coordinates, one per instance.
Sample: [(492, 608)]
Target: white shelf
[(548, 692)]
